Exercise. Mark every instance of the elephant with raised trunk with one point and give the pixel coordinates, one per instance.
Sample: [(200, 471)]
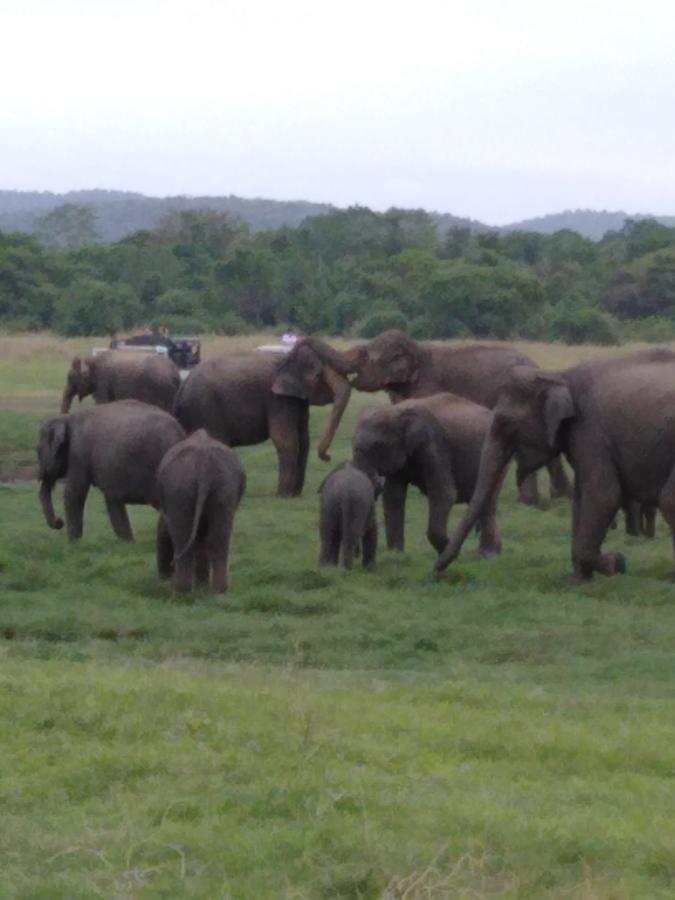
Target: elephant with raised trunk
[(200, 483), (614, 420), (243, 400), (119, 375), (406, 369), (434, 443), (115, 447)]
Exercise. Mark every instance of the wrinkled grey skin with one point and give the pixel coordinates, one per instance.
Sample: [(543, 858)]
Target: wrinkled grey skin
[(120, 375), (614, 420), (434, 443), (200, 483), (243, 400), (347, 522), (115, 447), (407, 369)]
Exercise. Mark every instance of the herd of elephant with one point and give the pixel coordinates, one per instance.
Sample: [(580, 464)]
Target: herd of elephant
[(459, 415)]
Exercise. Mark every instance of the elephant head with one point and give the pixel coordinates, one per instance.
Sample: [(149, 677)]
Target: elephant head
[(389, 360), (304, 375), (52, 453), (531, 411), (79, 382), (387, 437)]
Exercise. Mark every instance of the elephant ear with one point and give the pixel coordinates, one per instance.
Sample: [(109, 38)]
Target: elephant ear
[(57, 442), (418, 430), (558, 406), (403, 364), (76, 365), (298, 373)]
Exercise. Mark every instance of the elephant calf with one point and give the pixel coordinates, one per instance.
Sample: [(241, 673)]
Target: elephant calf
[(116, 447), (200, 483), (347, 521)]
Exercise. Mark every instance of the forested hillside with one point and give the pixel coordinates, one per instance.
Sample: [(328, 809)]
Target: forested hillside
[(345, 272), (116, 214), (113, 215)]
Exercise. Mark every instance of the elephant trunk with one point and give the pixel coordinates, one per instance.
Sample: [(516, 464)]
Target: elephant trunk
[(341, 391), (343, 362), (494, 459), (68, 395), (46, 486)]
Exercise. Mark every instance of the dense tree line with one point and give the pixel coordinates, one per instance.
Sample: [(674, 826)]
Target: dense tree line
[(346, 272)]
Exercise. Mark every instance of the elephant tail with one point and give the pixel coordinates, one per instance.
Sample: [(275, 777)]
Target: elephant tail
[(203, 490), (348, 534)]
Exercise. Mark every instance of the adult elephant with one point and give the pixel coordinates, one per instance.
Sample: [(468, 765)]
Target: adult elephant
[(434, 443), (405, 368), (615, 422), (243, 400), (119, 375), (116, 447)]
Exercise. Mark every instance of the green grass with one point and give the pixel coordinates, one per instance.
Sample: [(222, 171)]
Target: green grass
[(498, 733)]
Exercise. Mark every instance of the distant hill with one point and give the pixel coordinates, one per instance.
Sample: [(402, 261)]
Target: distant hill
[(119, 213), (588, 222)]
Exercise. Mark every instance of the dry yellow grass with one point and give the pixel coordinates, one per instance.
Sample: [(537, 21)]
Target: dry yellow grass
[(47, 347)]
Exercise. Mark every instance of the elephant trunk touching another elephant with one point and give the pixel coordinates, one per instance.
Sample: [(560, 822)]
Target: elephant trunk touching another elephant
[(407, 369), (248, 399)]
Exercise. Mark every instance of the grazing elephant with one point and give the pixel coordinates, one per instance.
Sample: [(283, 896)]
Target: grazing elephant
[(614, 420), (243, 400), (434, 443), (116, 447), (347, 522), (200, 483), (119, 375), (406, 369)]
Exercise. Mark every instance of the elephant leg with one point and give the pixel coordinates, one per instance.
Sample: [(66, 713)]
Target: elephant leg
[(183, 572), (595, 506), (528, 491), (117, 512), (329, 528), (560, 483), (74, 498), (303, 451), (648, 521), (393, 504), (632, 512), (202, 566), (667, 506), (164, 550), (285, 436), (218, 539), (370, 543), (490, 538), (441, 502)]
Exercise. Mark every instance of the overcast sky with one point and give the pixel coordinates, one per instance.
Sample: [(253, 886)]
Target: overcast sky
[(495, 110)]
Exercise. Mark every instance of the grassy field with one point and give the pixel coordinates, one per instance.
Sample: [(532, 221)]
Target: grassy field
[(500, 733)]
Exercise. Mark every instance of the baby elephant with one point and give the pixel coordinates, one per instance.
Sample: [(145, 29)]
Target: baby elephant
[(200, 483), (347, 520)]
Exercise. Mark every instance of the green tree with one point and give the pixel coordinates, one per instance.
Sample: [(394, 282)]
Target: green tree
[(90, 307)]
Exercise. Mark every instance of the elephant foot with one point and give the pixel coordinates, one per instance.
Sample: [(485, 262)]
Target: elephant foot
[(528, 500), (489, 552), (612, 564)]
